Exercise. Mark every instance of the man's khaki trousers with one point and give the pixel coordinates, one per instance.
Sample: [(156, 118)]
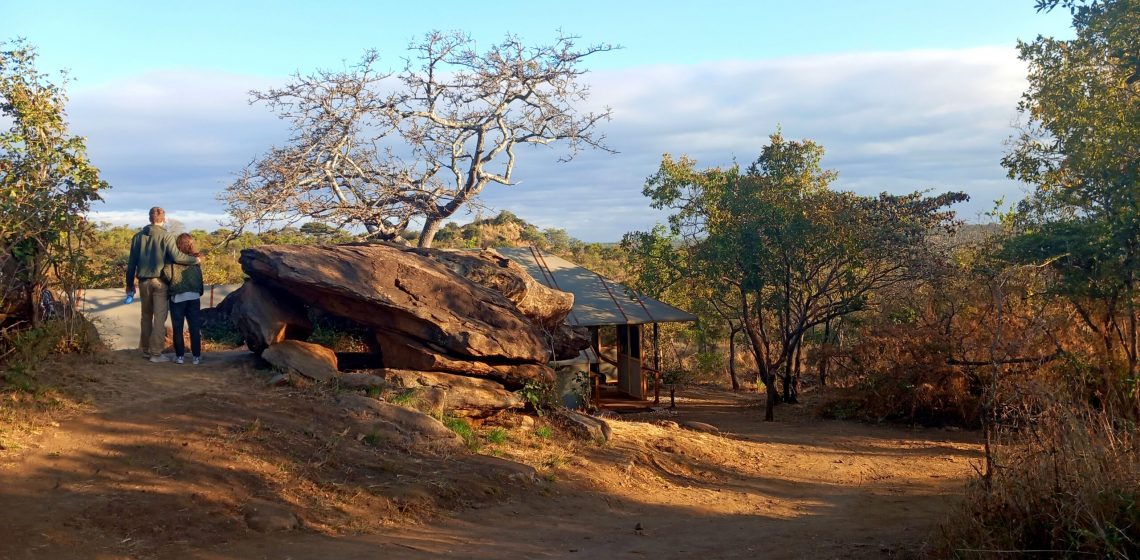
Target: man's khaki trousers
[(155, 306)]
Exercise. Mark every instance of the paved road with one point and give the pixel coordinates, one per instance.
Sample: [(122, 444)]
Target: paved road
[(118, 323)]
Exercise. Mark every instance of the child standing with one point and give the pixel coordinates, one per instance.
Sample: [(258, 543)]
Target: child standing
[(186, 290)]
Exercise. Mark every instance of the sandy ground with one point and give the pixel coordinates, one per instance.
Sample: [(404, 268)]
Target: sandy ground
[(138, 460), (118, 322)]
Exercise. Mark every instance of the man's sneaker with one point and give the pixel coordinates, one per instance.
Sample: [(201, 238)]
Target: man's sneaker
[(146, 355), (197, 360), (158, 359), (178, 360)]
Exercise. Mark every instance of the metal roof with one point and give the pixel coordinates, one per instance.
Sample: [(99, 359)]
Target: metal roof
[(597, 300)]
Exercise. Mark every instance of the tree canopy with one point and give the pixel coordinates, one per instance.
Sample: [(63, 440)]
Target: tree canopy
[(383, 150), (47, 186), (1080, 149), (773, 247)]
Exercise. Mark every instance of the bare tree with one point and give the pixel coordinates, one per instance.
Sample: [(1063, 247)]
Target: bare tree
[(381, 150)]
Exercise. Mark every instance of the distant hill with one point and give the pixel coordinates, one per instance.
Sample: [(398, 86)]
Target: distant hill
[(508, 230)]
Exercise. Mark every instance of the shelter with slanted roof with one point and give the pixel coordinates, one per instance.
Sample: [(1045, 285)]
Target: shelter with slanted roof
[(602, 303)]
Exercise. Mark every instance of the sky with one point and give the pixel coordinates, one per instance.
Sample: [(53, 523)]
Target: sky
[(903, 95)]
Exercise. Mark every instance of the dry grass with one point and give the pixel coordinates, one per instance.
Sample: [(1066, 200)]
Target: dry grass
[(1067, 486)]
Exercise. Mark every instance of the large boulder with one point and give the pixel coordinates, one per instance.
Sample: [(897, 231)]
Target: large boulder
[(303, 358), (399, 352), (462, 396), (265, 317), (390, 289), (567, 342), (544, 306)]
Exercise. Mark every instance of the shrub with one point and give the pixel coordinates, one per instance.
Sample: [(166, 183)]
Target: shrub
[(1066, 485), (22, 351), (903, 376)]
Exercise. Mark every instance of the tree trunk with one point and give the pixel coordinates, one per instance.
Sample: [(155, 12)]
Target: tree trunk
[(427, 234), (769, 388), (824, 359), (766, 374), (793, 398), (732, 357), (791, 367)]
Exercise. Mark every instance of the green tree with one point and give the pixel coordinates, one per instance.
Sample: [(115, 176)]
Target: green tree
[(1080, 148), (786, 254), (47, 186)]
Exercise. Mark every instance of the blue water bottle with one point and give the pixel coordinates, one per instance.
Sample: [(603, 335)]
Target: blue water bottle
[(130, 297)]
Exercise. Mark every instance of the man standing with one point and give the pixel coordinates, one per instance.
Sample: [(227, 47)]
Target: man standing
[(152, 248)]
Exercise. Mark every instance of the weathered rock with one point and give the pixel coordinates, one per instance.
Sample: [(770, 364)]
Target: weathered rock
[(508, 471), (411, 426), (264, 317), (701, 427), (462, 396), (583, 425), (362, 381), (567, 342), (267, 517), (303, 358), (545, 307), (388, 288), (400, 352)]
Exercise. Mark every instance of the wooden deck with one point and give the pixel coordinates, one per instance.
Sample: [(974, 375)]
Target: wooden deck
[(610, 398)]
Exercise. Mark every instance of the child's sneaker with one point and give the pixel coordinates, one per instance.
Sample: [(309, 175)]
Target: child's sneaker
[(197, 360), (178, 360)]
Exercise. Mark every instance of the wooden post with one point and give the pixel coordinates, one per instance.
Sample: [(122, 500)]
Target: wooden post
[(656, 366), (596, 365)]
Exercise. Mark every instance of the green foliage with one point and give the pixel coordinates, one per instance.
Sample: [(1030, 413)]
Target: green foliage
[(222, 334), (109, 248), (407, 397), (47, 186), (24, 351), (1081, 150), (498, 436), (337, 339), (772, 248), (465, 431), (543, 432), (539, 395)]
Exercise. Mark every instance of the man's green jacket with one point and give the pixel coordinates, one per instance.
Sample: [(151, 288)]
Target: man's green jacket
[(151, 249)]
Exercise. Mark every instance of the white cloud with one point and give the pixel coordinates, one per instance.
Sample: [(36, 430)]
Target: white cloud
[(137, 217), (889, 122)]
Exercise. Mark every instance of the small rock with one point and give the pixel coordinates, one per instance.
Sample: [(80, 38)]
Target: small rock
[(584, 426), (266, 517), (361, 381), (303, 358), (701, 427), (277, 380), (668, 424), (526, 422), (506, 469)]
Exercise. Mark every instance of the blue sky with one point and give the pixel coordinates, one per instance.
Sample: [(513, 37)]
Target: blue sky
[(904, 95)]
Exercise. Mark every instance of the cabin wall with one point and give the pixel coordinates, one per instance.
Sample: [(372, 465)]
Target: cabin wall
[(631, 379)]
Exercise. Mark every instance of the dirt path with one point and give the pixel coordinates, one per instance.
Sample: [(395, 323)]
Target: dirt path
[(164, 461)]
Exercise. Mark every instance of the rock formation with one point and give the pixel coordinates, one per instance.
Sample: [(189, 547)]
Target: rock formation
[(463, 330)]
